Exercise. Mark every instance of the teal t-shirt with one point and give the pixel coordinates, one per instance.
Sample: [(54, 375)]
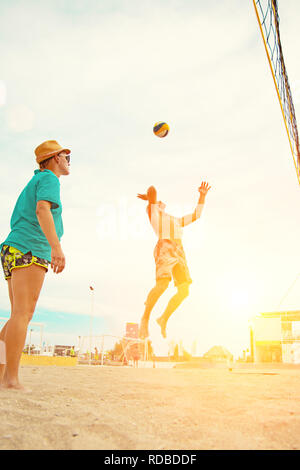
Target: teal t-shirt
[(26, 233)]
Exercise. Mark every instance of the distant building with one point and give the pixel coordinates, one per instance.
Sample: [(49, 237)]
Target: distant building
[(62, 350), (275, 337), (131, 348), (132, 330), (218, 354)]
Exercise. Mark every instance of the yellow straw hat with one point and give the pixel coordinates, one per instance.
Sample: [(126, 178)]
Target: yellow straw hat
[(49, 149)]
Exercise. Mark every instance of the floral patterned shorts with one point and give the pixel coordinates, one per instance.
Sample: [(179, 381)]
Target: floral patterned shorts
[(171, 262), (11, 258)]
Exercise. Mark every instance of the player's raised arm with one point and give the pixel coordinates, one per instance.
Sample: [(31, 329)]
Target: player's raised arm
[(150, 196), (203, 190), (189, 218)]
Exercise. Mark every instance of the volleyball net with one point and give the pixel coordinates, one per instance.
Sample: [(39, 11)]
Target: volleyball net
[(102, 349), (268, 20)]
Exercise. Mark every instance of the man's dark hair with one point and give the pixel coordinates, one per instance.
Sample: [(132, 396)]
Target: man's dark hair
[(45, 163)]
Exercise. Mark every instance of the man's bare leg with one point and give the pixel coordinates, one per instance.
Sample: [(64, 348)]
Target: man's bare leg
[(2, 335), (2, 353), (175, 301), (26, 284), (153, 296), (2, 359)]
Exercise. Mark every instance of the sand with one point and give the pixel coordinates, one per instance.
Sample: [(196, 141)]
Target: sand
[(125, 408)]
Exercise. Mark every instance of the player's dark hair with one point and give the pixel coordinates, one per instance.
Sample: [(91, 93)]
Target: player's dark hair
[(44, 164)]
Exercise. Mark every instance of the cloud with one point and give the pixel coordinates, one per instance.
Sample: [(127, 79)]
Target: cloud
[(20, 118)]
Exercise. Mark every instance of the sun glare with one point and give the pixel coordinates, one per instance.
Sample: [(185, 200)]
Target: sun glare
[(239, 299)]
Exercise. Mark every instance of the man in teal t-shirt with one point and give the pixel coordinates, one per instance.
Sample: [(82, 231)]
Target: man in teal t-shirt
[(26, 233), (34, 241)]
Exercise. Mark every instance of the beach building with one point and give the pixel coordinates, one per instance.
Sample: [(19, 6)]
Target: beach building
[(275, 337), (218, 354)]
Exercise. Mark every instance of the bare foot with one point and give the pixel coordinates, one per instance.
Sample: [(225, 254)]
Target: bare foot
[(163, 326), (14, 386)]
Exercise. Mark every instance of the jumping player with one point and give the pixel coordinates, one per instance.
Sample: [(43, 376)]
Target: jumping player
[(169, 256), (33, 243)]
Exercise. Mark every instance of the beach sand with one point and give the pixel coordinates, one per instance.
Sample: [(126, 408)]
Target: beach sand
[(125, 408)]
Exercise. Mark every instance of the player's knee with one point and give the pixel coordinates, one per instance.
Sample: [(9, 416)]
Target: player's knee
[(184, 290), (24, 311), (31, 309), (21, 315)]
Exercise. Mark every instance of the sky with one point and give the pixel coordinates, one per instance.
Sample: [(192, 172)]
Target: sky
[(96, 76)]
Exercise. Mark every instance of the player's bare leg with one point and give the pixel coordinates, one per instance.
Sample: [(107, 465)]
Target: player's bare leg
[(2, 335), (175, 301), (2, 353), (153, 296), (26, 284)]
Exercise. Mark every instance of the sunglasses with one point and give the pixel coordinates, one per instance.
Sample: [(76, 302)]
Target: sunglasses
[(67, 157)]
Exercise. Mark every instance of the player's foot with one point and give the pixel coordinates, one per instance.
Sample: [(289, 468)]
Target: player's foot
[(163, 325), (14, 386), (143, 332)]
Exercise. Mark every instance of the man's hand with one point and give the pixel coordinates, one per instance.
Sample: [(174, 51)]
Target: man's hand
[(150, 196), (204, 188), (58, 260)]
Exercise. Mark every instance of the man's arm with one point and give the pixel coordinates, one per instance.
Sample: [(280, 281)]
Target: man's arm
[(46, 222), (188, 219), (151, 197)]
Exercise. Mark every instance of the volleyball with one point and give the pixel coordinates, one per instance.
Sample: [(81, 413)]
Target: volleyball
[(161, 129)]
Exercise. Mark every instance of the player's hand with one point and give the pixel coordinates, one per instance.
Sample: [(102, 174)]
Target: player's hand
[(204, 188), (143, 196), (58, 260)]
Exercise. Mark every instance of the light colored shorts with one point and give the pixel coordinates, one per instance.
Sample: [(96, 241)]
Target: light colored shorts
[(171, 262), (11, 258)]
